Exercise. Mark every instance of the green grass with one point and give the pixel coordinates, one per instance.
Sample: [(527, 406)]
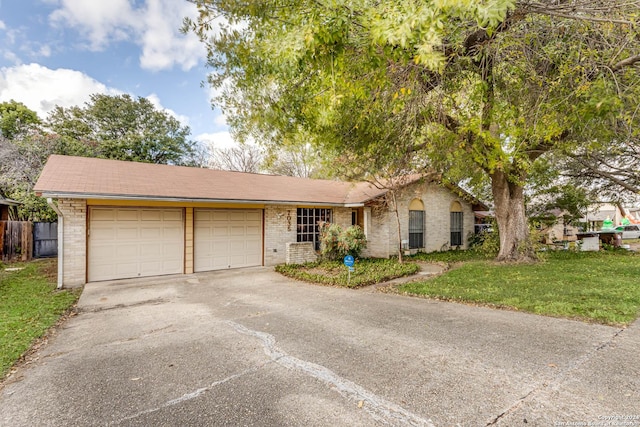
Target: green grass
[(29, 306), (601, 287), (367, 272), (453, 256)]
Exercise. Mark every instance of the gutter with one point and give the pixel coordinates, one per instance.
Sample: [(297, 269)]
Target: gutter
[(62, 195), (60, 241)]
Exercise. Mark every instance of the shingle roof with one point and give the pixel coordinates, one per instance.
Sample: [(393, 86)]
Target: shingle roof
[(82, 177)]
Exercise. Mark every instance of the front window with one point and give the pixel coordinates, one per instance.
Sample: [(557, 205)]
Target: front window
[(456, 224), (309, 221), (416, 229)]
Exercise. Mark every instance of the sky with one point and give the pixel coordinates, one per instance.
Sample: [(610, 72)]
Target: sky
[(58, 52)]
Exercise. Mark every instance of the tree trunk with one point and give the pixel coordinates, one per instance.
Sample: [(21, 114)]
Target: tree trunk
[(394, 202), (511, 219)]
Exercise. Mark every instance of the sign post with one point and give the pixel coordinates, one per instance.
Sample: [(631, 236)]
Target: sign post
[(349, 261)]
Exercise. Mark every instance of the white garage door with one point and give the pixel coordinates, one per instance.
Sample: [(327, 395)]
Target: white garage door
[(126, 243), (226, 238)]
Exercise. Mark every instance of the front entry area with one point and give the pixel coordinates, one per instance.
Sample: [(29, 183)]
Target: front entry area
[(134, 242), (227, 238)]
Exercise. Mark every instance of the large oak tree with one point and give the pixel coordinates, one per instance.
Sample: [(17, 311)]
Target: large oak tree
[(472, 89), (124, 128)]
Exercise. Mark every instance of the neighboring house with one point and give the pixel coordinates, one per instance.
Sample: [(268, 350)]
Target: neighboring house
[(597, 214), (123, 219), (5, 204), (559, 231)]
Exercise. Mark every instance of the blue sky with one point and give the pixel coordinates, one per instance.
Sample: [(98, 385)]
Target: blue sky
[(58, 52)]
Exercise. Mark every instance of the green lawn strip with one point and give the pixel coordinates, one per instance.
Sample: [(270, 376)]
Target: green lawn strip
[(600, 287), (453, 256), (29, 306), (366, 272)]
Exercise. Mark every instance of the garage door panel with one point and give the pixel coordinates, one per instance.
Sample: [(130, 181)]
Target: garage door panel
[(170, 252), (128, 242), (128, 232), (151, 215), (237, 230), (126, 270), (103, 234), (172, 216), (227, 239), (127, 215), (103, 215), (219, 216), (125, 251), (254, 216), (220, 231), (172, 233), (253, 231)]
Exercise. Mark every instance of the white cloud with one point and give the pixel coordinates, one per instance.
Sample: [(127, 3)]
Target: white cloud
[(44, 51), (217, 140), (2, 25), (41, 88), (101, 22), (154, 26), (162, 43), (155, 101)]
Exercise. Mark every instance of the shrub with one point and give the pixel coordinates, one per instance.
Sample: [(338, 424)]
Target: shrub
[(336, 243)]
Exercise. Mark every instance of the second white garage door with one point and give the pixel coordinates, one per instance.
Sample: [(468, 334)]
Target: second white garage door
[(227, 238)]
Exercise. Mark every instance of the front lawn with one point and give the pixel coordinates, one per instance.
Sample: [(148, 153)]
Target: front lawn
[(602, 287), (367, 272), (29, 306)]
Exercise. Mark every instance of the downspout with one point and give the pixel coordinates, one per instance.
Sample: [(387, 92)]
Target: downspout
[(60, 240)]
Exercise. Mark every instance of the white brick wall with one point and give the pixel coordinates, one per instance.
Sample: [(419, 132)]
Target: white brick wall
[(279, 229), (74, 262), (280, 226), (437, 200), (301, 252)]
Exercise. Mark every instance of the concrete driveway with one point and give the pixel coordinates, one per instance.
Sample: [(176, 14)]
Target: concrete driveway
[(249, 347)]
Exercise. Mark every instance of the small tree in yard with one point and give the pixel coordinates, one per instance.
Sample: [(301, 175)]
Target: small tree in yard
[(336, 243)]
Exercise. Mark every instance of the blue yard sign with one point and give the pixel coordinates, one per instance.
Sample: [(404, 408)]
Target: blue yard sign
[(349, 261)]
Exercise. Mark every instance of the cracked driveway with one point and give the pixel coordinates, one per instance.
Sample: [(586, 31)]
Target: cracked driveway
[(249, 347)]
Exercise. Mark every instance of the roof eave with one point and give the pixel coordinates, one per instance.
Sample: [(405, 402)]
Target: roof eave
[(67, 195)]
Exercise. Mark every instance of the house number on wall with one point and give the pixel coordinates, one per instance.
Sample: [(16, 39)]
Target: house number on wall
[(288, 220)]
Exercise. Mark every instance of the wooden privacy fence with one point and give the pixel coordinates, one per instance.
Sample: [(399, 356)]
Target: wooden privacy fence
[(16, 240)]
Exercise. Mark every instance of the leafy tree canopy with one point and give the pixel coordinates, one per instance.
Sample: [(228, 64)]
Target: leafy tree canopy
[(477, 90), (16, 118), (122, 128)]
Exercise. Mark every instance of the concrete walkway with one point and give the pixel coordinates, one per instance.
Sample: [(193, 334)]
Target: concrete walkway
[(251, 348)]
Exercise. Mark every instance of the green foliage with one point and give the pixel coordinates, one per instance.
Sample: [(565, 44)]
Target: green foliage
[(463, 87), (452, 256), (29, 305), (16, 119), (367, 271), (568, 201), (599, 287), (122, 128), (336, 243)]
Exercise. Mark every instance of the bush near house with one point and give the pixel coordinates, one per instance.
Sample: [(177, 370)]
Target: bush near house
[(336, 243), (29, 306)]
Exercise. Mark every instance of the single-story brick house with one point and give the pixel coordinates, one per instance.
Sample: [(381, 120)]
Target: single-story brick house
[(123, 219)]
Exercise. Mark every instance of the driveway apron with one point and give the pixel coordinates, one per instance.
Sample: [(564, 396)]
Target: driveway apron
[(249, 347)]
